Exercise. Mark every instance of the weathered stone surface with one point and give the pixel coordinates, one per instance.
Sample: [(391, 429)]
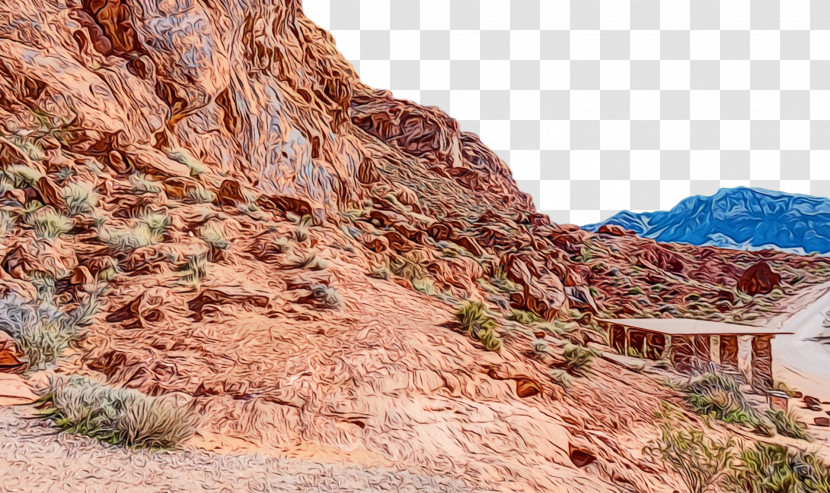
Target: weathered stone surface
[(526, 387), (14, 391), (12, 359), (149, 101), (759, 279)]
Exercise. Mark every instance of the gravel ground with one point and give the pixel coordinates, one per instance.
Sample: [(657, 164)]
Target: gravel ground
[(34, 457)]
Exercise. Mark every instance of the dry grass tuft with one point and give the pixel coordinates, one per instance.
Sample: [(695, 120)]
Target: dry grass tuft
[(117, 416)]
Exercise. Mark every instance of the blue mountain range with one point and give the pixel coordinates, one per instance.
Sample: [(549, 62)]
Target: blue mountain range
[(742, 218)]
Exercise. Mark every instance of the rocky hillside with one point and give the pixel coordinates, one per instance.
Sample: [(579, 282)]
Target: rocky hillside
[(751, 218), (202, 202)]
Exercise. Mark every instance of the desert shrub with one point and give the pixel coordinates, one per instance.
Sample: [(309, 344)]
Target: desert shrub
[(719, 396), (44, 284), (214, 237), (43, 331), (183, 156), (64, 173), (6, 184), (6, 223), (23, 176), (525, 317), (117, 416), (770, 468), (503, 284), (158, 222), (478, 324), (195, 268), (200, 195), (143, 183), (110, 271), (30, 207), (128, 239), (561, 378), (701, 462), (380, 272), (50, 224), (424, 285), (328, 296), (310, 261), (79, 198), (787, 424), (578, 359), (408, 267), (303, 225)]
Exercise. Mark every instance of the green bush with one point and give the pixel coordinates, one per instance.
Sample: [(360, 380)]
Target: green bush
[(787, 424), (702, 463), (770, 468), (479, 325), (578, 359), (525, 317), (117, 416), (719, 396)]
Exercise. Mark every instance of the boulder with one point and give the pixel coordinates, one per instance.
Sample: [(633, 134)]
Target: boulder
[(14, 391), (135, 313), (12, 359), (230, 192), (579, 456), (759, 279), (526, 387), (50, 194)]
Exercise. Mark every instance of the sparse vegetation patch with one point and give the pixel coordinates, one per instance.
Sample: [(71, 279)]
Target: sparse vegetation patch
[(117, 416), (475, 320)]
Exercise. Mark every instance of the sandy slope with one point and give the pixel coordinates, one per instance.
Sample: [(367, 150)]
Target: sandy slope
[(34, 457)]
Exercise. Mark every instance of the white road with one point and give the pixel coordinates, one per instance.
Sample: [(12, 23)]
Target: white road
[(799, 360)]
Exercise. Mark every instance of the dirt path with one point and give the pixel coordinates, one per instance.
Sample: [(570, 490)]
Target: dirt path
[(34, 457), (798, 360)]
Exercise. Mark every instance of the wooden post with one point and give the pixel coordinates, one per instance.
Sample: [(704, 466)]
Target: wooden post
[(729, 353), (682, 353), (636, 340), (655, 345), (703, 351), (616, 336), (762, 362)]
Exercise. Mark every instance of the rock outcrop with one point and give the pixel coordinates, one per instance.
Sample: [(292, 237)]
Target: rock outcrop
[(288, 247), (759, 279)]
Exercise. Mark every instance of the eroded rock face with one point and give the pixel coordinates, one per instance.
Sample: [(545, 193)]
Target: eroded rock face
[(759, 279), (12, 359), (289, 247)]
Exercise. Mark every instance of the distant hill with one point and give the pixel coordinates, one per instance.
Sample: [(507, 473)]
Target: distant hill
[(742, 218)]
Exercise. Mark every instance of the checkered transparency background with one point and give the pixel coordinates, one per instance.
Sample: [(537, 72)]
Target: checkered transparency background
[(611, 105)]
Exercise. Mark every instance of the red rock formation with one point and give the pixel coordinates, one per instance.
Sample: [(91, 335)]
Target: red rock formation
[(759, 279), (242, 117)]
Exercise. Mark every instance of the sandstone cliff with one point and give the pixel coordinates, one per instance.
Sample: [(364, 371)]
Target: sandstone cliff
[(285, 248)]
